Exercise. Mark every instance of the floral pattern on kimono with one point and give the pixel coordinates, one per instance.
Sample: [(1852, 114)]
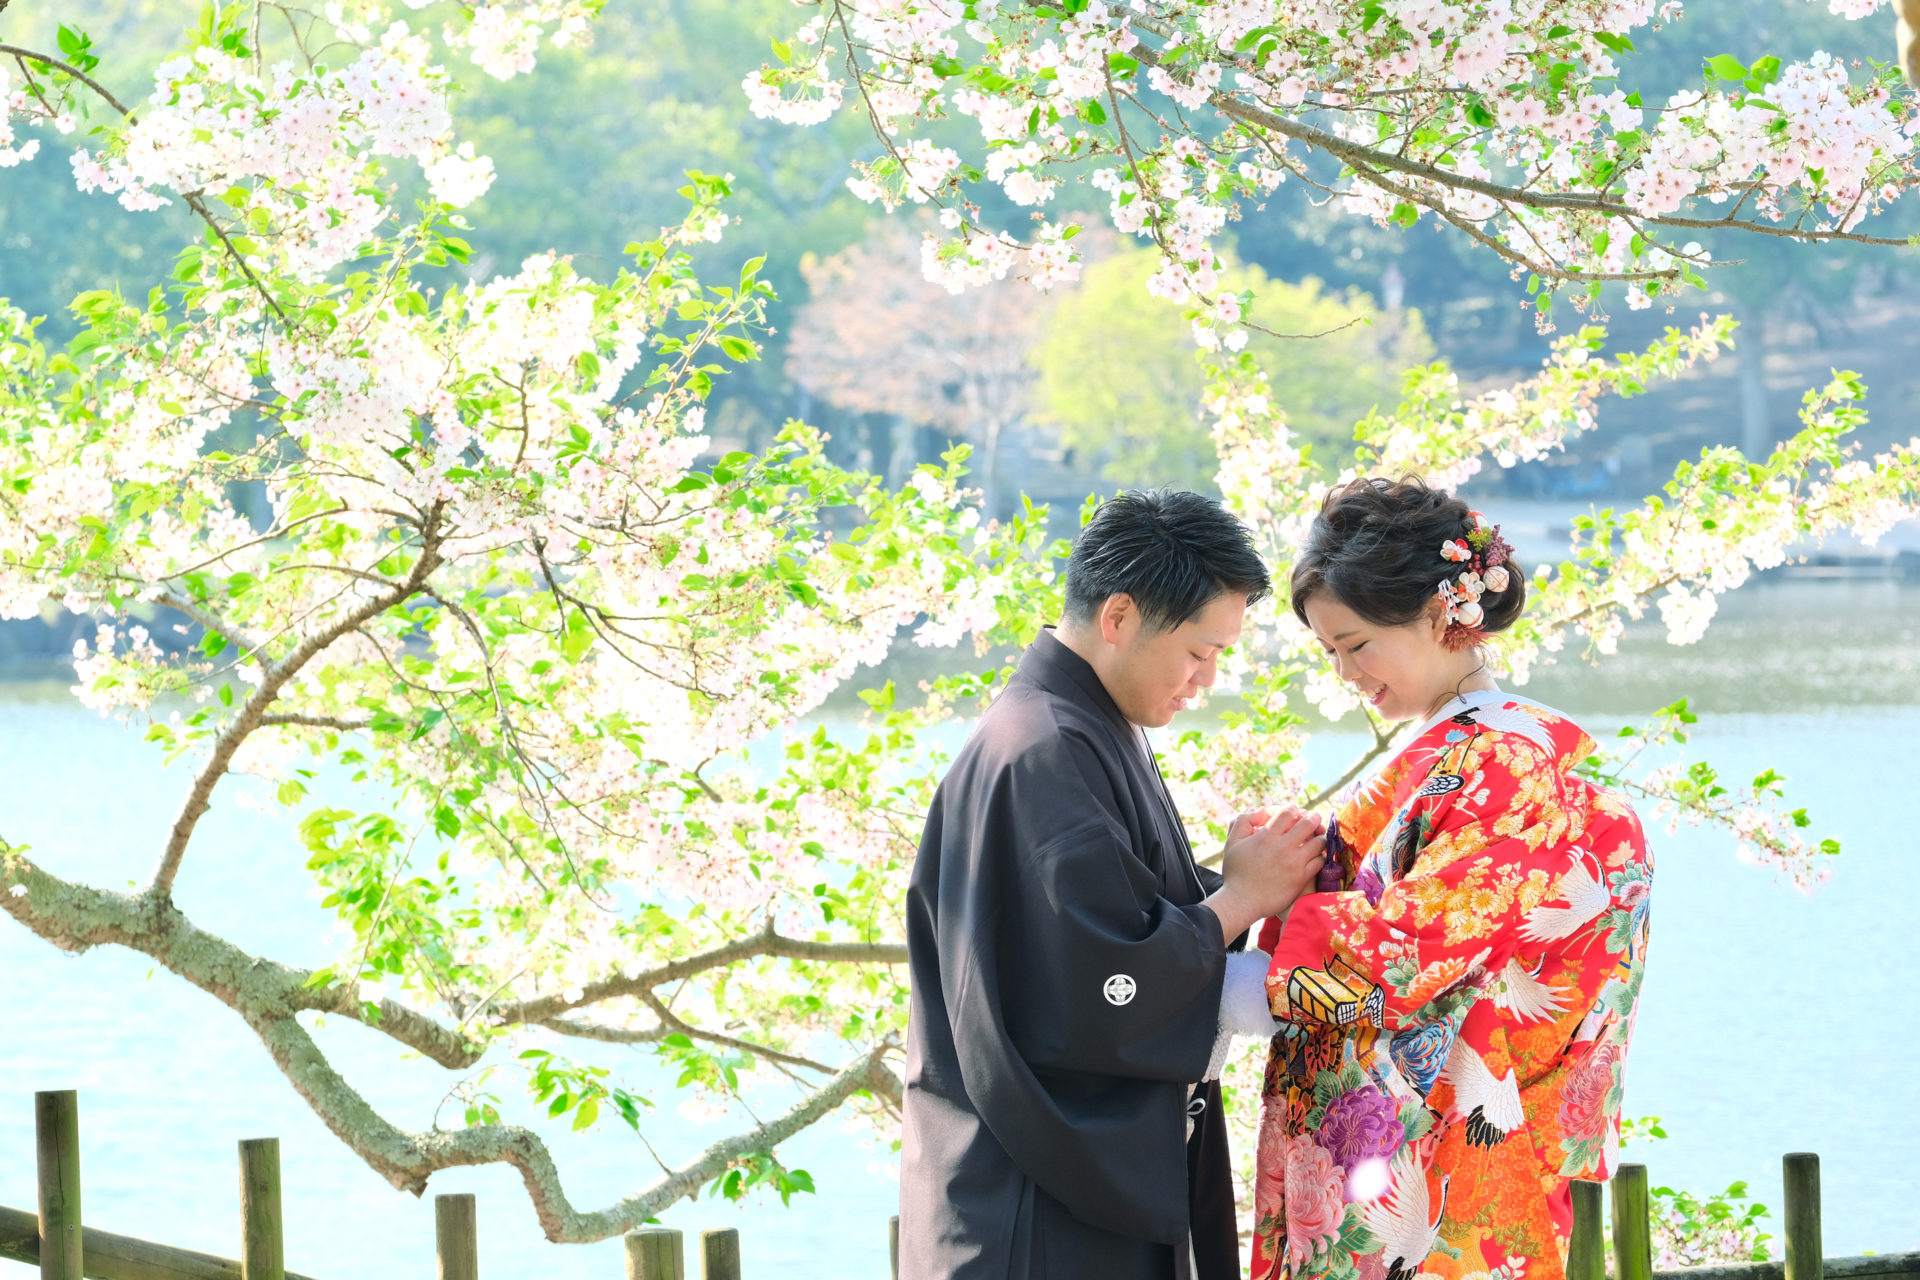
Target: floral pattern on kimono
[(1454, 1023)]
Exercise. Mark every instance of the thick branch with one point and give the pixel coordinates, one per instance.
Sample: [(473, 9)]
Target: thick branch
[(268, 995), (767, 943), (75, 917), (407, 1160), (315, 722), (248, 718)]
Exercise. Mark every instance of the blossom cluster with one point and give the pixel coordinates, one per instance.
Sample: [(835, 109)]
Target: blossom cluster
[(1506, 118), (305, 139), (1813, 129)]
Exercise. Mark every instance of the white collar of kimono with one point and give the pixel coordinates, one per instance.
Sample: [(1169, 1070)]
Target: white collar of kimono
[(1456, 704), (1476, 698)]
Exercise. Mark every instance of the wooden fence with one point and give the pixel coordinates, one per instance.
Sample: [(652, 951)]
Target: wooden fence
[(55, 1241)]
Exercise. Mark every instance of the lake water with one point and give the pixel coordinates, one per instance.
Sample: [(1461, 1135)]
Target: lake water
[(1771, 1022)]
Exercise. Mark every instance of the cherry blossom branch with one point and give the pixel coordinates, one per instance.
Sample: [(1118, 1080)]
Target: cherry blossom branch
[(66, 69), (314, 722), (673, 1021), (1383, 736), (1591, 202), (213, 622), (247, 719), (270, 535), (192, 198), (765, 943)]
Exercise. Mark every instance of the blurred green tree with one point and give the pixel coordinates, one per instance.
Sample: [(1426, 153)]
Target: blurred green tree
[(1119, 378)]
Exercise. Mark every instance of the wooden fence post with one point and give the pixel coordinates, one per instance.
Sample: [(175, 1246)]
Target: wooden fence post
[(1632, 1224), (56, 1129), (456, 1233), (263, 1250), (1586, 1252), (656, 1253), (720, 1254), (1800, 1174), (893, 1244)]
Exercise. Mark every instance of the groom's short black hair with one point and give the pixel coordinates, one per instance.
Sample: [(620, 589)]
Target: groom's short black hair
[(1174, 552)]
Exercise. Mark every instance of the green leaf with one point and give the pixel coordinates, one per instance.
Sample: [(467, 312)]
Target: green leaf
[(1725, 67), (1762, 73)]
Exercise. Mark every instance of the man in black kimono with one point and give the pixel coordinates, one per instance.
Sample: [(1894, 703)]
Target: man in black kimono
[(1069, 958)]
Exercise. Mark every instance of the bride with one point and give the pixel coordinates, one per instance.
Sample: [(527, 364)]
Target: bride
[(1455, 1016)]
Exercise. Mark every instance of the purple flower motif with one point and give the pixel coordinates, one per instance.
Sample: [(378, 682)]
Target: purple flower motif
[(1361, 1125), (1369, 883)]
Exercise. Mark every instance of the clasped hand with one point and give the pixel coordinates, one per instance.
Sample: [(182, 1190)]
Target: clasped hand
[(1271, 858)]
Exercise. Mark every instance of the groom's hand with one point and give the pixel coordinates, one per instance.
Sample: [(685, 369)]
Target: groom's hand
[(1271, 858)]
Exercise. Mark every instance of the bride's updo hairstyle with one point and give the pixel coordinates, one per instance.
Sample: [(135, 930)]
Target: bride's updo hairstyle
[(1385, 548)]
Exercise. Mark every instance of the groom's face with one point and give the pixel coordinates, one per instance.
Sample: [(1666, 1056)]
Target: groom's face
[(1152, 676)]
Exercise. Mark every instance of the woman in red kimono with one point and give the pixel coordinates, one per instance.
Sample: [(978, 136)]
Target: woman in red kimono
[(1455, 1010)]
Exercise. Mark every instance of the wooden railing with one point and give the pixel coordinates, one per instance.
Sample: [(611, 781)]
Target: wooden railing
[(55, 1240)]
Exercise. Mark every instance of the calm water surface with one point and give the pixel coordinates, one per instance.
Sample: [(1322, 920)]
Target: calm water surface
[(1771, 1022)]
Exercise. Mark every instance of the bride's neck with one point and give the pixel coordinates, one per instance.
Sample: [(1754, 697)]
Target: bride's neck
[(1475, 679)]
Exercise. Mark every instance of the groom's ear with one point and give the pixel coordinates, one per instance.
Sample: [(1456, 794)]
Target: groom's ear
[(1117, 615)]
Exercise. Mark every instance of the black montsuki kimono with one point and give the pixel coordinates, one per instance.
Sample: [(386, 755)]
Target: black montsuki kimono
[(1066, 996)]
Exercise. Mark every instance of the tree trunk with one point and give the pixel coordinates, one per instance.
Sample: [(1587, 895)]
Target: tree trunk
[(904, 456), (987, 474), (1756, 432)]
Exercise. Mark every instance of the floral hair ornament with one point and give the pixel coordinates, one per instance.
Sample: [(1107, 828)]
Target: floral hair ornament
[(1484, 555)]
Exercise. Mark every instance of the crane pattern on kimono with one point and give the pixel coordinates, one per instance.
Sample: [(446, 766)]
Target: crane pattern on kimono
[(1455, 1014)]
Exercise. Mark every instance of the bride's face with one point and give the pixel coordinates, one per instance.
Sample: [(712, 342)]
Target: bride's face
[(1402, 672)]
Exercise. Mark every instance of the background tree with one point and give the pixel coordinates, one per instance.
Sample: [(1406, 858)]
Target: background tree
[(1120, 379), (875, 337)]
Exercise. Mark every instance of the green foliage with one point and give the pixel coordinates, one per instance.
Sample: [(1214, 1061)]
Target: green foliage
[(1692, 1231), (1120, 379)]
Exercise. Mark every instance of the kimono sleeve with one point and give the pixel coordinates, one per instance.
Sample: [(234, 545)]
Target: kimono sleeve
[(1112, 978), (1343, 959)]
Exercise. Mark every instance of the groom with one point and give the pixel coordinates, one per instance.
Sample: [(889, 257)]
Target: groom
[(1073, 991)]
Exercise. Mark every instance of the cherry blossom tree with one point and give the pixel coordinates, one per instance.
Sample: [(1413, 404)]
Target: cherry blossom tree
[(506, 590), (876, 337), (501, 588)]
